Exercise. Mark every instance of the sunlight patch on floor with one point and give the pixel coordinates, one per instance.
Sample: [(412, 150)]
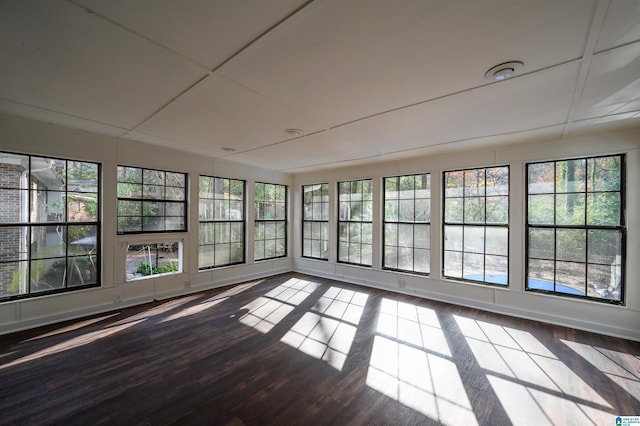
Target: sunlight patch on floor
[(532, 384), (328, 331), (622, 368), (411, 363), (268, 310)]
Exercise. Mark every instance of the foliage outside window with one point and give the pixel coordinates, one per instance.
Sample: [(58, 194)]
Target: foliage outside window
[(49, 225), (222, 224), (575, 228), (151, 201), (270, 228), (407, 223), (315, 221), (355, 229), (152, 259), (476, 225)]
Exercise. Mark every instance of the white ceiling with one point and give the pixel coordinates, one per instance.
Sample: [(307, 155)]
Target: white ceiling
[(364, 79)]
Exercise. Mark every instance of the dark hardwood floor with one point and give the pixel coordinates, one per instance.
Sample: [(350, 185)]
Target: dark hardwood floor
[(295, 349)]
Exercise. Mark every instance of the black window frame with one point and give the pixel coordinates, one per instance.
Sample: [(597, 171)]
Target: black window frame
[(142, 200), (213, 220), (621, 228), (323, 220), (411, 223), (66, 223), (463, 223), (262, 219), (350, 221)]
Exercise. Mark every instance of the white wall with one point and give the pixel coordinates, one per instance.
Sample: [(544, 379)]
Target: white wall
[(25, 136), (30, 137), (623, 321)]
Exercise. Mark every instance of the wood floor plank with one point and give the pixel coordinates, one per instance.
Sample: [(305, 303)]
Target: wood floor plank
[(296, 349)]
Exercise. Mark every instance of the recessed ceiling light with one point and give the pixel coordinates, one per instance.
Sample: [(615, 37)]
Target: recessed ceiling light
[(294, 132), (503, 71), (228, 149)]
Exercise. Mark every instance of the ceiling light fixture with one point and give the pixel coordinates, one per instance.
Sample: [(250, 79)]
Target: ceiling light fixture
[(228, 149), (294, 133), (503, 71)]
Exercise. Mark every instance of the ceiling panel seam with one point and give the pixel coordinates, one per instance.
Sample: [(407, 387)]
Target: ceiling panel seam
[(593, 35)]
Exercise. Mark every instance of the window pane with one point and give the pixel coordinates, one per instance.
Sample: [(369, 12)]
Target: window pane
[(150, 259), (453, 183), (153, 223), (82, 239), (405, 258), (474, 210), (604, 174), (129, 224), (47, 206), (453, 210), (570, 209), (421, 261), (605, 247), (453, 264), (541, 178), (603, 209), (407, 212), (570, 278), (153, 177), (541, 209), (52, 209), (47, 274), (474, 239), (570, 176), (604, 281), (82, 270), (12, 202), (541, 275), (484, 205), (496, 269), (497, 241), (497, 181), (542, 243), (354, 222), (474, 184), (421, 238), (453, 238), (13, 167), (14, 276), (498, 210), (391, 210), (129, 174), (48, 241), (391, 257), (161, 196), (571, 245), (82, 207), (422, 210), (129, 190)]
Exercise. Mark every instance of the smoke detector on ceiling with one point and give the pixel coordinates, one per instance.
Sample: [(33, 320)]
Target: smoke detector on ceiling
[(503, 71)]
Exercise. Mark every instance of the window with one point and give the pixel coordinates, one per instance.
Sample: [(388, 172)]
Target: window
[(476, 225), (406, 223), (355, 222), (575, 228), (151, 259), (270, 231), (151, 201), (315, 221), (222, 224), (49, 225)]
